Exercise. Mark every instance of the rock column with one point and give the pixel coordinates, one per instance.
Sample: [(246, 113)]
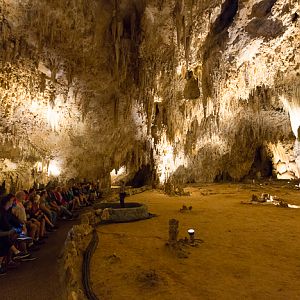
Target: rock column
[(173, 231)]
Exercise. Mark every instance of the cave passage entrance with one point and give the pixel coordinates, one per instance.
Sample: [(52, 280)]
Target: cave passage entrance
[(142, 177), (262, 166)]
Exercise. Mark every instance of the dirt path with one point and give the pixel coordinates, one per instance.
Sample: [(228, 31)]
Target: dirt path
[(249, 252), (39, 279)]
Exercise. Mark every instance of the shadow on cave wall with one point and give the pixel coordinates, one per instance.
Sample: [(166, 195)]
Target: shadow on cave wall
[(144, 176), (223, 177), (262, 166), (260, 25)]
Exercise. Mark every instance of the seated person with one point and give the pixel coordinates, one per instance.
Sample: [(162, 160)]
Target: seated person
[(18, 210), (45, 207), (8, 236), (55, 204), (38, 214), (72, 202), (37, 220), (77, 192)]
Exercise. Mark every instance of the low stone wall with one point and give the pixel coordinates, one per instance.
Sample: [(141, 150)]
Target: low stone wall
[(72, 257), (79, 237), (112, 212)]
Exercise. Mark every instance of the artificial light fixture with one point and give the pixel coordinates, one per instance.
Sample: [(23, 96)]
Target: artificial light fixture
[(191, 233)]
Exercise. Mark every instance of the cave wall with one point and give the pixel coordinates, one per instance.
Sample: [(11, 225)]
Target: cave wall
[(243, 57), (192, 88), (65, 97)]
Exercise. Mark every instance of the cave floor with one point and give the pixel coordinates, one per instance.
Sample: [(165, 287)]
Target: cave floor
[(249, 251)]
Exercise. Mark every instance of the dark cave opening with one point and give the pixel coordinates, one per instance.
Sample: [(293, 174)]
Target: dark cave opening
[(262, 165), (223, 177), (229, 10), (142, 177)]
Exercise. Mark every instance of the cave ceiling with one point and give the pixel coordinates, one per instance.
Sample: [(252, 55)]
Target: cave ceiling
[(192, 88)]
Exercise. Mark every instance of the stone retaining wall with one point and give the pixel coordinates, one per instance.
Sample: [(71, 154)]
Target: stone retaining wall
[(79, 237), (71, 259)]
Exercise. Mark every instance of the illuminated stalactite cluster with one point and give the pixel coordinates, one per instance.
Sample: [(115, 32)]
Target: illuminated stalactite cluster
[(65, 92), (35, 116), (192, 88), (246, 96)]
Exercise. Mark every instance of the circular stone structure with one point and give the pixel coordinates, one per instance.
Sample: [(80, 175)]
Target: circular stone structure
[(113, 212)]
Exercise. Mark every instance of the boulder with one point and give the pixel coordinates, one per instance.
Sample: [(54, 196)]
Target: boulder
[(281, 167)]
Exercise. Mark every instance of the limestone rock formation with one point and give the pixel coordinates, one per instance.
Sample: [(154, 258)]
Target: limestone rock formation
[(192, 89)]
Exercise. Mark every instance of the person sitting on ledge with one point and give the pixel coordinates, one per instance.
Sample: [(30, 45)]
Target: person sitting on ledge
[(44, 206), (39, 222), (78, 192), (40, 215), (8, 237), (18, 210), (56, 204)]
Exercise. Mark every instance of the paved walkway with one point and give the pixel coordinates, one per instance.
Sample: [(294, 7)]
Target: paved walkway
[(39, 279)]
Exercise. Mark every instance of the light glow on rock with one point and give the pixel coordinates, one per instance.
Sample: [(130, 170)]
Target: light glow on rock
[(54, 169), (39, 166), (157, 98), (294, 112), (286, 162), (53, 118), (115, 174), (9, 165), (34, 106), (167, 161)]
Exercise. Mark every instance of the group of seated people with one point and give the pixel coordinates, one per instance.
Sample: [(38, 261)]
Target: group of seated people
[(27, 217)]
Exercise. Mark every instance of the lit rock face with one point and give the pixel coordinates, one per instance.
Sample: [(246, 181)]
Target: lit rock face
[(66, 99), (244, 55), (195, 89)]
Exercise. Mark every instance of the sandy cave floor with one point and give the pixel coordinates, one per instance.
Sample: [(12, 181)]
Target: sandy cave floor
[(249, 251)]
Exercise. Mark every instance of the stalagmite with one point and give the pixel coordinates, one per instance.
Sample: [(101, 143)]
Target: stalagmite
[(173, 231)]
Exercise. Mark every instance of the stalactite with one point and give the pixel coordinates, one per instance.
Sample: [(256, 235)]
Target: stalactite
[(133, 25), (179, 20), (116, 102), (155, 58)]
